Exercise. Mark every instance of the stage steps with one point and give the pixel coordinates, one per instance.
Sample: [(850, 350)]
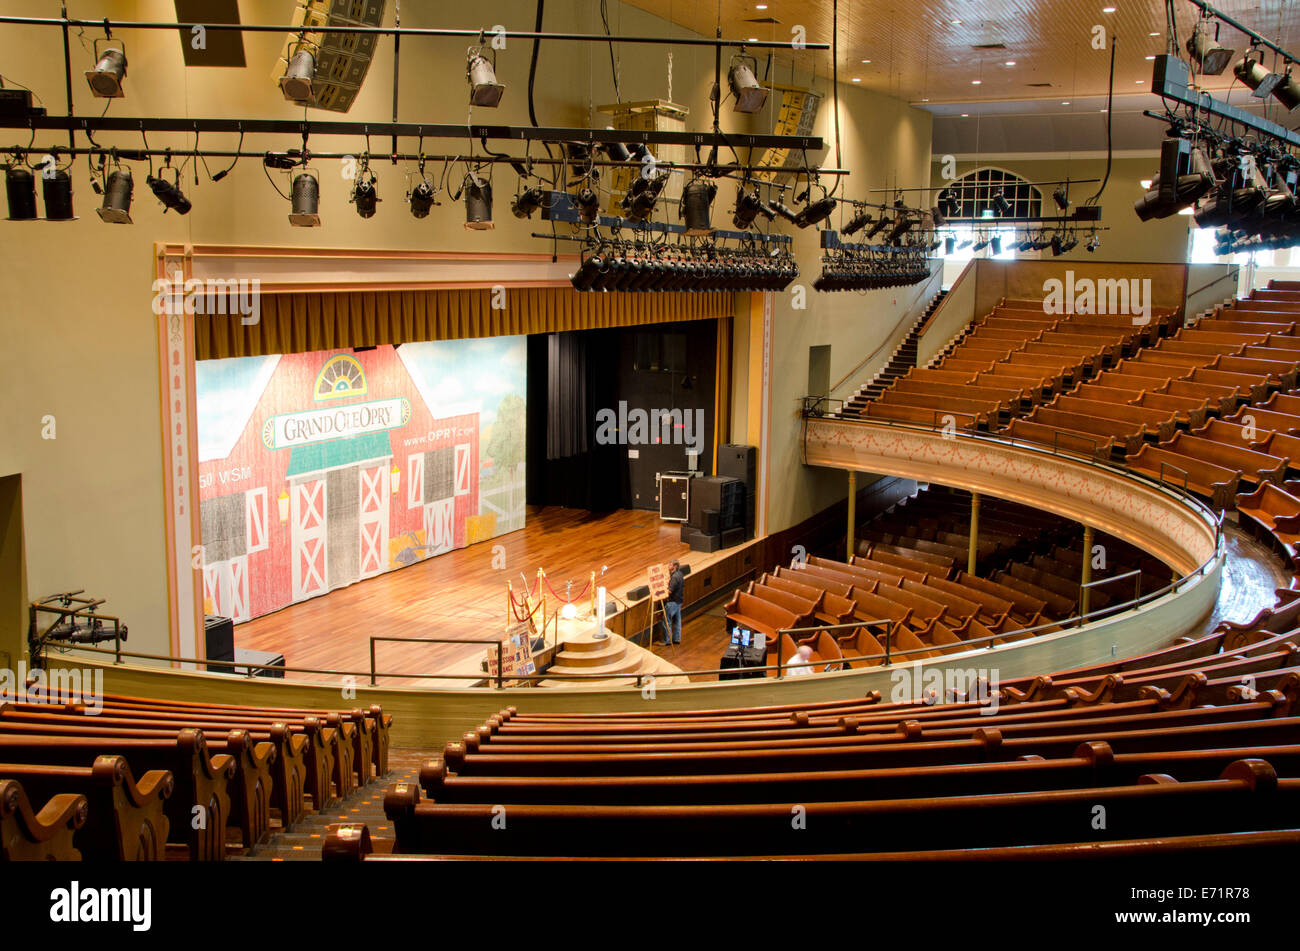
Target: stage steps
[(581, 652)]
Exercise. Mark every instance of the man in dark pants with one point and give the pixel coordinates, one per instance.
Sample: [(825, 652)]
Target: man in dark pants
[(673, 606)]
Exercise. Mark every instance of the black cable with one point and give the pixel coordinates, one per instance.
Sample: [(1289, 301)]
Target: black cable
[(604, 19), (532, 64), (1110, 105), (835, 85), (226, 171)]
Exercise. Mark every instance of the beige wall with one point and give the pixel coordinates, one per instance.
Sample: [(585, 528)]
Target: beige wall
[(13, 586), (76, 307), (1128, 238)]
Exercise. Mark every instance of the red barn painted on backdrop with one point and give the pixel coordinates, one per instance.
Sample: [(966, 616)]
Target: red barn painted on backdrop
[(340, 472)]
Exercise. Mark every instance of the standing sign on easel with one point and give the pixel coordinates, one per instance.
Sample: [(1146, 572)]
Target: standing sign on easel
[(516, 652), (659, 577)]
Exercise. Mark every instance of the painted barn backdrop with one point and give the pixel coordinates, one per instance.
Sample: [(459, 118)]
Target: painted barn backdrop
[(318, 470)]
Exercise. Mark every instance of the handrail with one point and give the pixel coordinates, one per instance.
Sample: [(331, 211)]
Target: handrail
[(1233, 272), (889, 336), (437, 640)]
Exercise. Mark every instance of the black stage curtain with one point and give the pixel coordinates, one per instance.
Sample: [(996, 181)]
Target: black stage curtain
[(566, 397)]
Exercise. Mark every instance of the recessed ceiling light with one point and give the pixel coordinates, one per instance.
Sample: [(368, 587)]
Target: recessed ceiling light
[(925, 100), (856, 79), (1066, 103), (752, 39), (965, 115), (1010, 62), (1153, 34), (866, 61), (1145, 183), (1105, 110), (1107, 9), (955, 22), (1150, 57), (760, 6), (1141, 81), (975, 82)]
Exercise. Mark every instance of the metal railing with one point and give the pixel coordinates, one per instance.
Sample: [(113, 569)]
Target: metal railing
[(500, 646)]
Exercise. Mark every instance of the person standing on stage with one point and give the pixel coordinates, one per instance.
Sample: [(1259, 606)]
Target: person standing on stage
[(673, 606)]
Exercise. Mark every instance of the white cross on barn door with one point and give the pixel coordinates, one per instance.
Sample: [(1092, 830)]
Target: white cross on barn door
[(308, 517), (462, 469), (440, 526), (374, 519), (225, 585)]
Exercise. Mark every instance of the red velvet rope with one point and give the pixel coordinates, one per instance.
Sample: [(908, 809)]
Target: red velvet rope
[(562, 600)]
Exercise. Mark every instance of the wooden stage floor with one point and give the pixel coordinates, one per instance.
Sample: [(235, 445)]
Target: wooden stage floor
[(461, 595)]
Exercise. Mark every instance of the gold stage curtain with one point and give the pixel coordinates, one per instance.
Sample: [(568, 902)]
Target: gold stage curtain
[(333, 320)]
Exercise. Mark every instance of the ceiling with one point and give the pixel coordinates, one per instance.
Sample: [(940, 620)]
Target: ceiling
[(930, 52)]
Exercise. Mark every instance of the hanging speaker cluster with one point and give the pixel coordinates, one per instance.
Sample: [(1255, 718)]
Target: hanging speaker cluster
[(845, 270), (627, 267)]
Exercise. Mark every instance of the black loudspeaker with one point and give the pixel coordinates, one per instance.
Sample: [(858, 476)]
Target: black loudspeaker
[(711, 522), (686, 570), (686, 531), (699, 541), (733, 537), (639, 594), (219, 633), (741, 462), (720, 494)]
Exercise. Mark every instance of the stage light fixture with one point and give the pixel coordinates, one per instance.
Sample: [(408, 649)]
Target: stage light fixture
[(116, 208), (365, 193), (305, 199), (815, 212), (20, 189), (878, 227), (940, 219), (901, 226), (750, 95), (296, 83), (478, 203), (1001, 207), (1287, 91), (1057, 245), (856, 223), (1061, 197), (587, 202), (780, 208), (748, 207), (1185, 177), (484, 90), (980, 245), (527, 201), (949, 245), (615, 151), (110, 70), (1093, 244), (1256, 76), (56, 192), (639, 202), (1212, 58), (963, 245), (995, 245), (422, 198), (1026, 245), (169, 193), (697, 197)]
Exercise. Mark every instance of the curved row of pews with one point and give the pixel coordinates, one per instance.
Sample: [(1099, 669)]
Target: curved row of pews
[(135, 779), (1191, 747)]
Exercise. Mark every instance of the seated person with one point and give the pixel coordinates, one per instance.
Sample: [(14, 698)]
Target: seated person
[(800, 663)]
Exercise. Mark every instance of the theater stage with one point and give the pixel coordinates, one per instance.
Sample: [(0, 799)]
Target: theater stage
[(461, 594)]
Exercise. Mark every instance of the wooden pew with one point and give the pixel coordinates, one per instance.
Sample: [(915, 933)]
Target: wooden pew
[(804, 610), (1273, 513), (916, 557), (1277, 444), (1250, 387), (44, 834), (125, 819), (1186, 410), (1267, 419), (1090, 445), (755, 614), (828, 608), (1213, 482), (1285, 403), (1059, 605), (917, 415), (1128, 434), (201, 780), (1255, 467), (984, 411)]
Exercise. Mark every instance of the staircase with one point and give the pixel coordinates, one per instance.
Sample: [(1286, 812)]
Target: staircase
[(619, 659), (902, 360)]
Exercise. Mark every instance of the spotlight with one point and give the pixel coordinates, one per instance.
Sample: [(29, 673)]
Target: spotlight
[(901, 226), (1212, 58), (422, 198), (937, 214), (478, 203), (526, 202), (484, 90), (995, 244), (588, 204), (696, 200), (949, 245), (639, 202), (1061, 197), (815, 212), (169, 193), (1287, 91), (1026, 245), (878, 227), (1093, 243), (980, 245), (1001, 207), (776, 206), (1068, 244), (110, 70), (117, 197), (1256, 76), (1185, 177), (1057, 245), (305, 198), (56, 190), (748, 207), (296, 83), (20, 187), (856, 223), (749, 93), (364, 193)]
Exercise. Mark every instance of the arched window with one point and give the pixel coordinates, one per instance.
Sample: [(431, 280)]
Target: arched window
[(974, 193)]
